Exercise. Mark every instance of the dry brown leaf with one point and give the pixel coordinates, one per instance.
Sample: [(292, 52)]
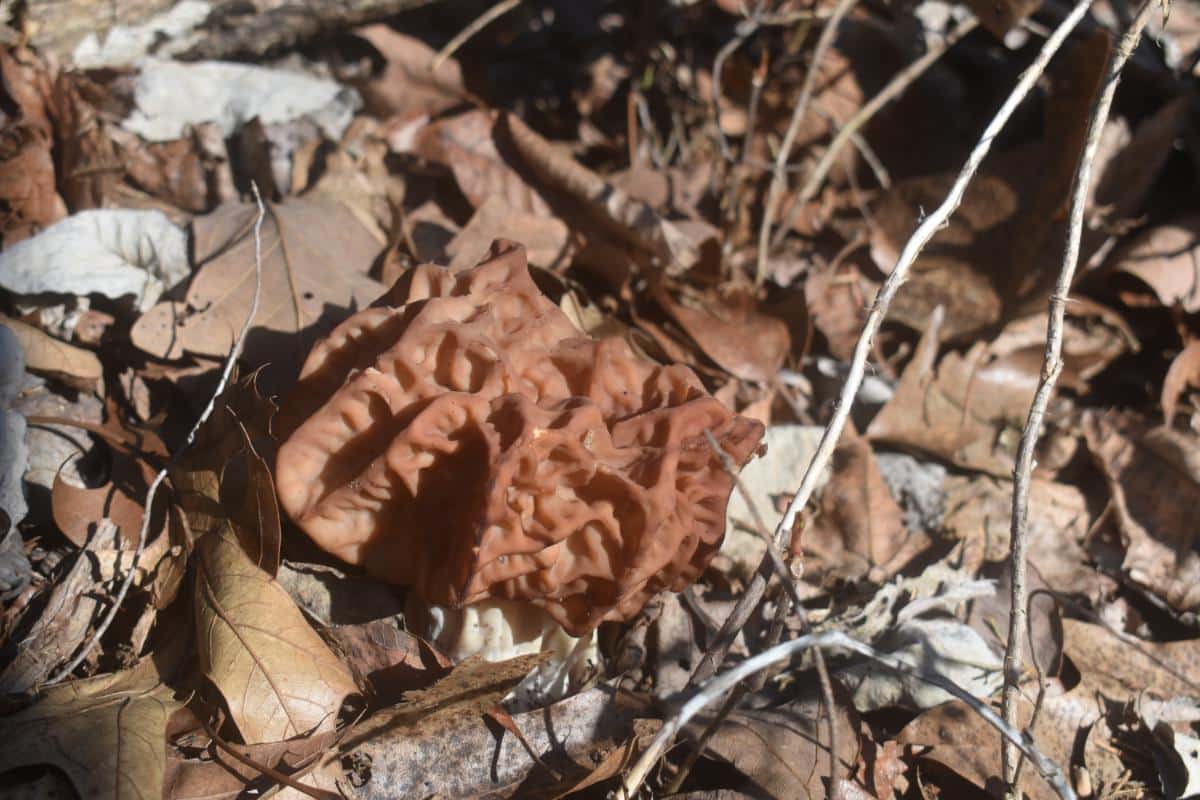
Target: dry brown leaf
[(46, 355), (784, 751), (191, 173), (356, 176), (278, 678), (967, 745), (28, 197), (970, 408), (681, 245), (1183, 373), (107, 733), (390, 659), (217, 776), (978, 512), (1121, 667), (89, 164), (731, 331), (545, 238), (1167, 259), (858, 529), (407, 87), (838, 300), (315, 258), (230, 443), (466, 144), (1153, 477), (255, 516)]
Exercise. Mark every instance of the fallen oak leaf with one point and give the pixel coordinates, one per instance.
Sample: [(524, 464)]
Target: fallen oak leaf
[(108, 734), (277, 676), (316, 255)]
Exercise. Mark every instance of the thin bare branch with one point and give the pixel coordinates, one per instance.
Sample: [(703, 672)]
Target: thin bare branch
[(862, 349), (143, 533), (779, 178), (463, 36), (895, 87), (831, 639), (1051, 368)]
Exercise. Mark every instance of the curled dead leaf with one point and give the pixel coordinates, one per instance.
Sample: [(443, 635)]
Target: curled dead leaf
[(277, 676)]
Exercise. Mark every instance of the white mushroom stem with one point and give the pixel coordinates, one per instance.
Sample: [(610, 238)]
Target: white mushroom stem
[(498, 630)]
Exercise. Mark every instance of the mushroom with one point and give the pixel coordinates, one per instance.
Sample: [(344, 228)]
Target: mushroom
[(463, 438)]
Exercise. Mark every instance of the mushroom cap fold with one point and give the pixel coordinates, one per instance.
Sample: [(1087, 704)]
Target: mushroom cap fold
[(462, 437)]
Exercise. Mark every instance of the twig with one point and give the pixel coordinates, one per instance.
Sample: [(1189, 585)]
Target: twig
[(779, 179), (481, 22), (1051, 368), (263, 769), (143, 532), (832, 639), (895, 87), (883, 299), (785, 577)]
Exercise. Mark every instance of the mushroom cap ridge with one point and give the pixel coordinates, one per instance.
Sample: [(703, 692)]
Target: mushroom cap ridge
[(461, 436)]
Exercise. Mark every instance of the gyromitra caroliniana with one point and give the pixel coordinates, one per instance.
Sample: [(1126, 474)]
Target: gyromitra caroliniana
[(464, 438)]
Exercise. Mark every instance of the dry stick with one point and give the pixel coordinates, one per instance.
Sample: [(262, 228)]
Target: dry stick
[(262, 769), (862, 348), (484, 19), (144, 531), (1051, 368), (779, 179), (832, 639), (785, 577), (895, 87)]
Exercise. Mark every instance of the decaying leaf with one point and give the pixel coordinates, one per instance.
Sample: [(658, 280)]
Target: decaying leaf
[(107, 733), (964, 743), (1119, 666), (466, 143), (784, 751), (731, 330), (858, 528), (301, 289), (407, 87), (969, 409), (217, 776), (389, 658), (278, 678), (1153, 477), (65, 620), (1164, 258), (171, 95), (545, 238)]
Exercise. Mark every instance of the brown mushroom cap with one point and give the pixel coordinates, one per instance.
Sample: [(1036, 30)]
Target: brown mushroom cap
[(464, 438)]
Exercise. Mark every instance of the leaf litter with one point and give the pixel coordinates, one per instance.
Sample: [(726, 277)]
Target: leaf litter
[(630, 152)]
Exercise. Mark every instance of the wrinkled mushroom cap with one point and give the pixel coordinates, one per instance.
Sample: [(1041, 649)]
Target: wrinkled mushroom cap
[(464, 438)]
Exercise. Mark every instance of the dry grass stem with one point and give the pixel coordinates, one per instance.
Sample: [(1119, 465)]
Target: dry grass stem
[(895, 87), (463, 36), (1051, 368), (779, 177), (143, 532)]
